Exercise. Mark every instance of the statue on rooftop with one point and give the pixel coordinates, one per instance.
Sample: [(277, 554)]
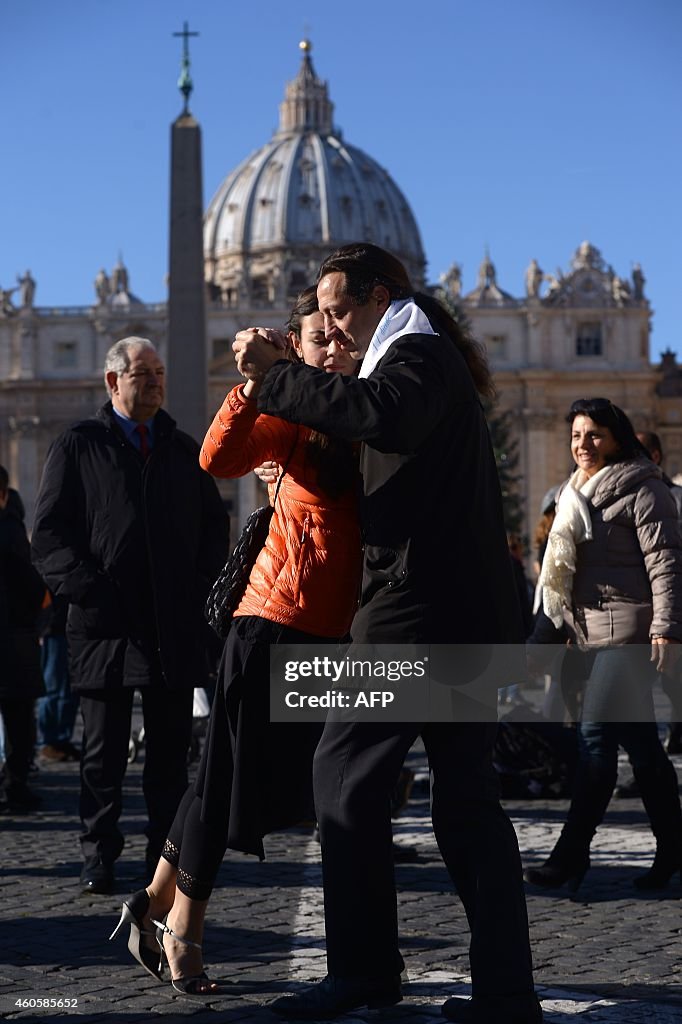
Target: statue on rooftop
[(638, 282), (452, 281), (486, 272), (102, 286), (7, 307), (27, 288), (534, 278)]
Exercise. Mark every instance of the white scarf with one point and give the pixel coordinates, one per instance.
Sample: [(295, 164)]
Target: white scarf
[(403, 316), (572, 526)]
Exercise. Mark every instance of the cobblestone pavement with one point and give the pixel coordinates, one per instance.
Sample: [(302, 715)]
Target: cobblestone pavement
[(606, 955)]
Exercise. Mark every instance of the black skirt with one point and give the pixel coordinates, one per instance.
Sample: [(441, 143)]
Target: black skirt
[(256, 773)]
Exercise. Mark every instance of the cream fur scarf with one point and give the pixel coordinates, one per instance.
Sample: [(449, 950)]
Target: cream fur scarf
[(572, 526)]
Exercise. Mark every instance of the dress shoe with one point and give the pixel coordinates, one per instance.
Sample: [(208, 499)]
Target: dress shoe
[(332, 996), (523, 1010), (97, 876), (555, 873), (667, 862), (21, 799)]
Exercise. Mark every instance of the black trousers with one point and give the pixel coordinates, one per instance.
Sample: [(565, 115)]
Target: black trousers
[(106, 733), (355, 770), (255, 776)]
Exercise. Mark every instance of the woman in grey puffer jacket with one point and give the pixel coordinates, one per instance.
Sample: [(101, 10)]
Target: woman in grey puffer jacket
[(613, 574)]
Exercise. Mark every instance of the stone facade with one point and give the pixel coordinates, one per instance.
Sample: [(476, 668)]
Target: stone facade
[(582, 333), (579, 334)]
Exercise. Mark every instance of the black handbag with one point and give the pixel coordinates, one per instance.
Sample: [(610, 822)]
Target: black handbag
[(229, 588)]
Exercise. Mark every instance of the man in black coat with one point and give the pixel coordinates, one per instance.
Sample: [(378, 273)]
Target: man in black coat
[(21, 595), (436, 571), (132, 533)]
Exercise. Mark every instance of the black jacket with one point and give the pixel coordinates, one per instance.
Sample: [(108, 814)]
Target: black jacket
[(21, 596), (436, 566), (134, 547)]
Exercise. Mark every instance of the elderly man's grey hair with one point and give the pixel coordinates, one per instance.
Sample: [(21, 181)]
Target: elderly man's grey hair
[(118, 357)]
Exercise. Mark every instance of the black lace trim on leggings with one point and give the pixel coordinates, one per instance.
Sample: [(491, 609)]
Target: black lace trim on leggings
[(171, 853), (186, 883)]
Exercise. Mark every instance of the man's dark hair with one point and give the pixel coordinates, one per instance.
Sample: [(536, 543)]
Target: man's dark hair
[(651, 442), (606, 414), (4, 480), (365, 266)]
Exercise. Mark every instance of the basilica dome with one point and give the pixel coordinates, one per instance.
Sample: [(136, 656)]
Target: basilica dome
[(307, 191)]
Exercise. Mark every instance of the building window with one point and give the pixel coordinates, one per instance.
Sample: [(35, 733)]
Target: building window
[(259, 289), (65, 355), (221, 347), (588, 340), (496, 345)]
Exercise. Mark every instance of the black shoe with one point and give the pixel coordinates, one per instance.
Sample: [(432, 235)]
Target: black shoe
[(493, 1011), (555, 873), (667, 862), (332, 996), (97, 876), (21, 799), (132, 914)]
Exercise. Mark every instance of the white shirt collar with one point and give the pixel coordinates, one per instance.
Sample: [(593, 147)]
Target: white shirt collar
[(403, 316)]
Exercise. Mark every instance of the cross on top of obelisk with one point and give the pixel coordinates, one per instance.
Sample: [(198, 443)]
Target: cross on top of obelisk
[(185, 84)]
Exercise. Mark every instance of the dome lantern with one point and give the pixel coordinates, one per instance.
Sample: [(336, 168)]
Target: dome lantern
[(306, 106)]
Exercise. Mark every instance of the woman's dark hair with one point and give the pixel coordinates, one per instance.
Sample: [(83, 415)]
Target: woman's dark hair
[(606, 414), (305, 304), (333, 460), (365, 265)]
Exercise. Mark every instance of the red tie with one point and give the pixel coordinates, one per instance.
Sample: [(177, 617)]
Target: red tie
[(143, 433)]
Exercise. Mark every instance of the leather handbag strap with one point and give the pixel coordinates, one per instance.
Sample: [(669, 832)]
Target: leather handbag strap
[(284, 469)]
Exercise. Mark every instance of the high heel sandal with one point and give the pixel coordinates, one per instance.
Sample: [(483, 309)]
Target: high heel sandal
[(132, 913), (187, 986)]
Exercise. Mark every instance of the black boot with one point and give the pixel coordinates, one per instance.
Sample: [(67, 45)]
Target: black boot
[(570, 858), (662, 803)]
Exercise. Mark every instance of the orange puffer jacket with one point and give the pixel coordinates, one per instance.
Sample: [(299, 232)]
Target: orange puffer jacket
[(308, 574)]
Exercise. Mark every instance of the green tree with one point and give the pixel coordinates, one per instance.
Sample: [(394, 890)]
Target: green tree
[(505, 445)]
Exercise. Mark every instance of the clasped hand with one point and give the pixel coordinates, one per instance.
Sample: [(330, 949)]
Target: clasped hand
[(256, 349)]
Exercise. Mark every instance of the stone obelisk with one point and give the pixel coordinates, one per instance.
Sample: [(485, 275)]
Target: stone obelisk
[(187, 355)]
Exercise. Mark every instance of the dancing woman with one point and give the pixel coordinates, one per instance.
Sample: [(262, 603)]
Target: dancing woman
[(256, 776)]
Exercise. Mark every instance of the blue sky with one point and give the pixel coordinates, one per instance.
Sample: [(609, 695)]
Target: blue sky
[(524, 126)]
